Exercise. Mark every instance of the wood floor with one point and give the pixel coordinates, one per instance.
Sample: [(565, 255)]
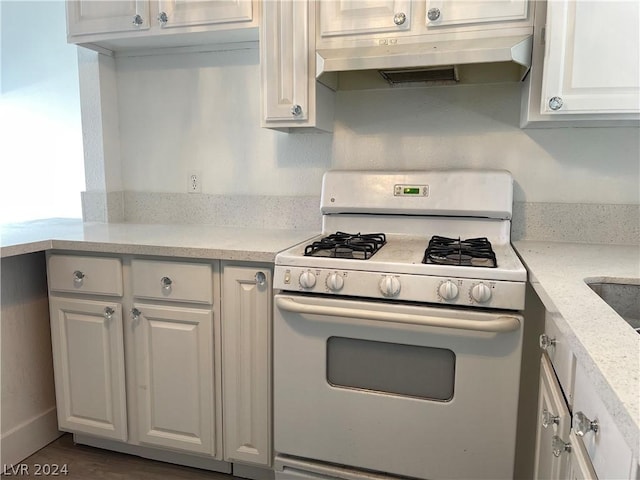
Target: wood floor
[(88, 463)]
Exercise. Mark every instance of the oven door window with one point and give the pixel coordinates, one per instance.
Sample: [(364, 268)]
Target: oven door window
[(397, 369)]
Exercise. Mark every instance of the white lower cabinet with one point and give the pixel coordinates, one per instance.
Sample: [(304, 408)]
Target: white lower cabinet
[(88, 356), (577, 438), (246, 332), (136, 351), (174, 374)]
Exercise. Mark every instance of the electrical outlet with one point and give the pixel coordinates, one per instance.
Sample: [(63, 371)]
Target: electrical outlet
[(194, 183)]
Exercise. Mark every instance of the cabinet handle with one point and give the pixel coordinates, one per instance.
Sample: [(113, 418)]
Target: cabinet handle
[(108, 313), (135, 314), (78, 276), (166, 283), (163, 18), (583, 425), (137, 20), (546, 342), (549, 418), (558, 446), (261, 278), (555, 103), (433, 14), (296, 110), (399, 18)]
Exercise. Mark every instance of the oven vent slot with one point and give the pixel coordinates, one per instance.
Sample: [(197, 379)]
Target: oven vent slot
[(446, 75)]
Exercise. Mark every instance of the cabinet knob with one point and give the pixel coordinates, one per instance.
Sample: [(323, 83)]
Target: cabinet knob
[(399, 18), (546, 342), (135, 314), (549, 418), (166, 283), (558, 446), (137, 20), (555, 103), (583, 425), (163, 18), (108, 313), (296, 110), (261, 278), (433, 14), (78, 277)]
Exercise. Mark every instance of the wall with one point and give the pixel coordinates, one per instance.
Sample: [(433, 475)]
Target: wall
[(41, 174), (200, 111), (28, 419)]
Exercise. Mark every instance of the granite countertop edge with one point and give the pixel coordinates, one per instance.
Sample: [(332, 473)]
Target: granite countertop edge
[(603, 343), (207, 242)]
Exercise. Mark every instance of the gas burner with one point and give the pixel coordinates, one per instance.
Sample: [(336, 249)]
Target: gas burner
[(472, 252), (347, 245)]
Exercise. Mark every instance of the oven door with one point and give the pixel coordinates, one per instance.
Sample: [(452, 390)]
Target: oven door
[(405, 389)]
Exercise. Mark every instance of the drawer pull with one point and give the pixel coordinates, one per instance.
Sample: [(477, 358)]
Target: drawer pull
[(583, 425), (78, 276), (108, 313), (549, 418), (558, 446), (166, 283), (546, 342)]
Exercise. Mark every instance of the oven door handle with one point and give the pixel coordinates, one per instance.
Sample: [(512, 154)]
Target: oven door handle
[(500, 324)]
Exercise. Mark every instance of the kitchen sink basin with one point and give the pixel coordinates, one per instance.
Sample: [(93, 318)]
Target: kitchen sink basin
[(624, 298)]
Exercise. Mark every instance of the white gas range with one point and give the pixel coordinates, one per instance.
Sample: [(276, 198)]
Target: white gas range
[(398, 333)]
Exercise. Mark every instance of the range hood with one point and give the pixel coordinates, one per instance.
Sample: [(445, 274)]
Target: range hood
[(484, 60)]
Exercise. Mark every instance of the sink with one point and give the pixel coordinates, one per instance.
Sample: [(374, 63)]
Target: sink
[(624, 298)]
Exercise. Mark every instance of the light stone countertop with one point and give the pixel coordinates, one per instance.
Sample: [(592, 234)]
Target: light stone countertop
[(190, 241), (604, 344)]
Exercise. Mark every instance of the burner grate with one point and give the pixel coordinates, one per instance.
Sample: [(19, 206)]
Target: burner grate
[(356, 246), (472, 252)]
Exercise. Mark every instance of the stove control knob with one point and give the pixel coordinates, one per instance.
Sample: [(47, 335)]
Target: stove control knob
[(307, 279), (448, 290), (481, 293), (390, 286), (335, 282)]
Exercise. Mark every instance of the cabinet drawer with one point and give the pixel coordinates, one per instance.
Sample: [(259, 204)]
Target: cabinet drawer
[(176, 281), (560, 355), (90, 275)]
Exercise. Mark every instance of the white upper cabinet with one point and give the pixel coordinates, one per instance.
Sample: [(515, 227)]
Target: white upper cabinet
[(586, 64), (180, 13), (344, 17), (125, 25), (291, 97), (466, 12), (85, 17), (585, 72), (390, 22)]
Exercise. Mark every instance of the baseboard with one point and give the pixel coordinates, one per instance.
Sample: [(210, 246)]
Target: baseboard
[(29, 437), (252, 473), (154, 454)]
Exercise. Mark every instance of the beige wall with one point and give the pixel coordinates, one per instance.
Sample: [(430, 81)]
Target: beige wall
[(27, 410)]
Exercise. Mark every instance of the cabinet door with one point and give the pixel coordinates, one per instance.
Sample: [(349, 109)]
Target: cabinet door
[(88, 358), (580, 467), (86, 17), (246, 353), (182, 13), (468, 12), (285, 68), (589, 72), (554, 423), (345, 17), (174, 376)]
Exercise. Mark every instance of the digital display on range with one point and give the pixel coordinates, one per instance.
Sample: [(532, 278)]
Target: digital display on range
[(411, 190)]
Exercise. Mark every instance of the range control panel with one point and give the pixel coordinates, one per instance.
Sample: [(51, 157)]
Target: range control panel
[(414, 288)]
